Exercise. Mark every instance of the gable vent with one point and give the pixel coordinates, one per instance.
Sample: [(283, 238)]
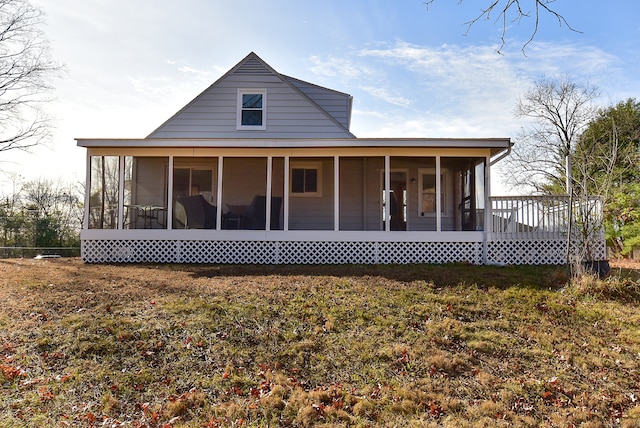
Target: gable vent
[(253, 66)]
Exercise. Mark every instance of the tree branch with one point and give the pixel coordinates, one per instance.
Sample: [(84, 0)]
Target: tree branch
[(25, 70), (514, 6)]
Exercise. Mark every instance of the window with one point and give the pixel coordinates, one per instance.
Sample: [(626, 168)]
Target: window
[(427, 192), (192, 181), (306, 179), (252, 104)]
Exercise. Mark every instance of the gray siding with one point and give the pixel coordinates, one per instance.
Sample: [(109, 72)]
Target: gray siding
[(242, 179), (314, 213), (360, 206), (337, 104), (289, 112), (352, 194)]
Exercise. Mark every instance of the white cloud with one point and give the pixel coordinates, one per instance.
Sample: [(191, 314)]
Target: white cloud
[(191, 70), (577, 61), (344, 68), (386, 95), (453, 91)]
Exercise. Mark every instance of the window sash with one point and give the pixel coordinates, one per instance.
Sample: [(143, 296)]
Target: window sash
[(305, 179), (427, 192), (252, 105)]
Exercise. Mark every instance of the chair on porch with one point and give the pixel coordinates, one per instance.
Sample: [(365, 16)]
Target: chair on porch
[(194, 212), (255, 214)]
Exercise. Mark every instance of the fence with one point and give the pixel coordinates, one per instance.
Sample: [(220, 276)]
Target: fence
[(30, 252)]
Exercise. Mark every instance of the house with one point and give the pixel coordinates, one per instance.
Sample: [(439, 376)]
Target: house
[(262, 168)]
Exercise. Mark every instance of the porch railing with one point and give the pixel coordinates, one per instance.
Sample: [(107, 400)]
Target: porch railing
[(544, 217)]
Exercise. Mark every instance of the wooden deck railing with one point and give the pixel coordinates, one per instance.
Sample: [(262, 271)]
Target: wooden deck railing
[(543, 217)]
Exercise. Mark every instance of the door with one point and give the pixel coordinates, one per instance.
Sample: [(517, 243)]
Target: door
[(397, 200), (467, 205), (472, 192)]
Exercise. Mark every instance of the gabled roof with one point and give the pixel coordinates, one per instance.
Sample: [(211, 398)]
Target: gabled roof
[(337, 104), (295, 109)]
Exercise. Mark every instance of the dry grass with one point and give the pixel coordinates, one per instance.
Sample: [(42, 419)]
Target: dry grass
[(170, 345)]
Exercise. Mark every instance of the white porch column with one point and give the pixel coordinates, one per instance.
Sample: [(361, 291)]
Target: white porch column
[(387, 192), (268, 193), (120, 224), (285, 226), (336, 193), (170, 195), (87, 192), (438, 196), (219, 194), (488, 216)]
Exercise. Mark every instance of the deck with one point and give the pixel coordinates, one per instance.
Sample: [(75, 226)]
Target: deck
[(518, 230)]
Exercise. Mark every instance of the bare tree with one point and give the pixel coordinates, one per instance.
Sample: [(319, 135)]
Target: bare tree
[(55, 210), (25, 70), (508, 11), (560, 110)]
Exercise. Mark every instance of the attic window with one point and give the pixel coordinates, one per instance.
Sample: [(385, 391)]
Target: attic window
[(252, 105)]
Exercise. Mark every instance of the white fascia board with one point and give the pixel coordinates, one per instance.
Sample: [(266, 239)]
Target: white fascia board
[(498, 143)]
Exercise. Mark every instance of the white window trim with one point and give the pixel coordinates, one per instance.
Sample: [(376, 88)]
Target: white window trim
[(317, 165), (239, 125), (444, 174)]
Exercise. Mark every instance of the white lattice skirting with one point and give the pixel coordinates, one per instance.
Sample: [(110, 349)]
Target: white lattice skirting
[(279, 252), (513, 252), (536, 252), (519, 252)]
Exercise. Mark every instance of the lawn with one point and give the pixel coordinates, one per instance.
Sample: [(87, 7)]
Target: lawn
[(208, 346)]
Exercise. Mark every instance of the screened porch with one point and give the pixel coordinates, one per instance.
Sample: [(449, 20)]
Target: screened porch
[(287, 193)]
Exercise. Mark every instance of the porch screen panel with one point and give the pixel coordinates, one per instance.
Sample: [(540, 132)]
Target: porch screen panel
[(146, 184), (277, 194), (464, 202), (195, 192), (104, 194), (311, 202), (244, 190), (412, 199), (359, 193), (128, 189), (480, 195)]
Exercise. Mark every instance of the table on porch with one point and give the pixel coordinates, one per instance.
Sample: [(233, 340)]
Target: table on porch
[(148, 213)]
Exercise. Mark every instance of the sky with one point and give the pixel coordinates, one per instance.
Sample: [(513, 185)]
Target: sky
[(413, 70)]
